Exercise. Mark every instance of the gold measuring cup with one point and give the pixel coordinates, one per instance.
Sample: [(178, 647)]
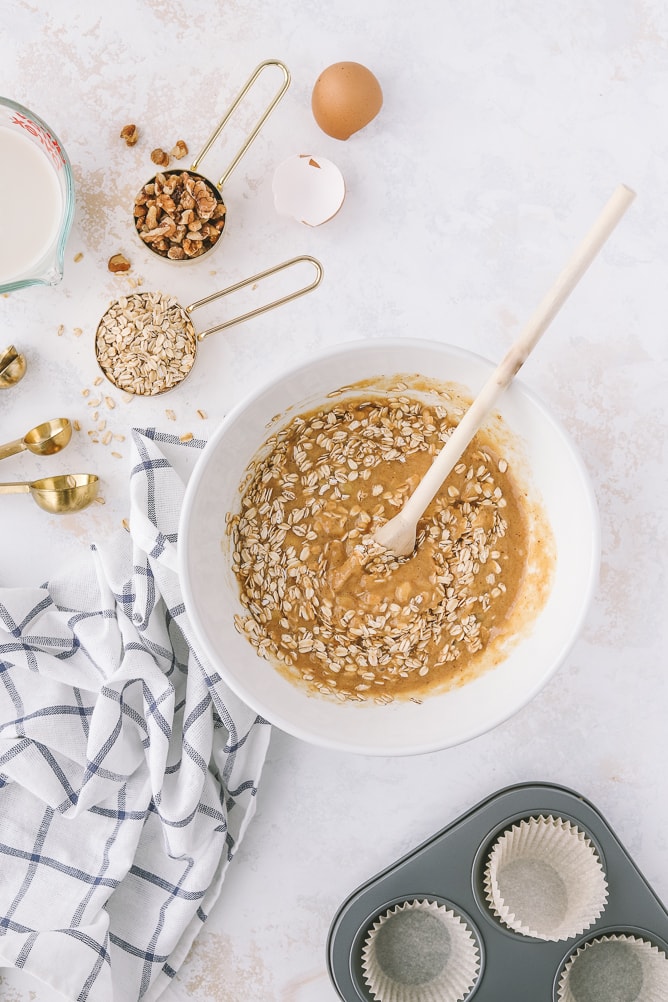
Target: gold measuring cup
[(190, 232), (12, 367), (60, 495), (44, 439), (146, 342)]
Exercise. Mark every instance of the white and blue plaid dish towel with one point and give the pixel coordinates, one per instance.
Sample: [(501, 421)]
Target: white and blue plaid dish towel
[(128, 771)]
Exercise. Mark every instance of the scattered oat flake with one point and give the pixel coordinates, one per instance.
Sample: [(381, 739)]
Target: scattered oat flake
[(95, 402), (188, 437), (106, 438), (78, 256), (85, 392), (117, 455), (126, 524), (202, 414), (76, 425), (95, 415), (119, 438), (171, 415), (110, 403), (100, 500), (97, 381), (77, 331), (61, 330)]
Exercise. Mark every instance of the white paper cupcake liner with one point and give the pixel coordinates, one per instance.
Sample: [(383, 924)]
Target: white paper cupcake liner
[(615, 968), (543, 878), (420, 951)]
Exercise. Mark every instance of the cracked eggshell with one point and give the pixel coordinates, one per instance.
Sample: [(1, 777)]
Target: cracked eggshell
[(308, 188)]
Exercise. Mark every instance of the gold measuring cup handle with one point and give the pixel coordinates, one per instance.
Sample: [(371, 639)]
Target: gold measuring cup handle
[(11, 448), (257, 278), (251, 136), (16, 488)]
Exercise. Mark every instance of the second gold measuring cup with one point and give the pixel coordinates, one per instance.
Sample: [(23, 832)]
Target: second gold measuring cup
[(180, 214), (146, 342)]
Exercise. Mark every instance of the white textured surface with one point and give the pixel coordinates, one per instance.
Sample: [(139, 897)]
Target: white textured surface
[(504, 129)]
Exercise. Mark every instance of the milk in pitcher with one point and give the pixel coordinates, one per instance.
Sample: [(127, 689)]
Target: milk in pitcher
[(31, 205)]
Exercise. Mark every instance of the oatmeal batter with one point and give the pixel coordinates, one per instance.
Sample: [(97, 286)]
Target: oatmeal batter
[(394, 626)]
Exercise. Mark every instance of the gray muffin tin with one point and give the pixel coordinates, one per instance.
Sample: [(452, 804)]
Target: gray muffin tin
[(448, 868)]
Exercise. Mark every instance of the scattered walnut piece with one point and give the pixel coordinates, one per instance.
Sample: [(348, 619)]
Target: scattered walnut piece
[(180, 150), (130, 134), (159, 157), (118, 263)]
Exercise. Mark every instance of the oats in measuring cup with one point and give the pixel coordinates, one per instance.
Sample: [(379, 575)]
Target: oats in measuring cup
[(145, 343)]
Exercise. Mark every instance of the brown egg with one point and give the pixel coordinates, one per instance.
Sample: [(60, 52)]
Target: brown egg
[(346, 97)]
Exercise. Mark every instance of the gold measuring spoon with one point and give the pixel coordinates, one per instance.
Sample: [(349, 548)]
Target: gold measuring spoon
[(180, 214), (43, 440), (12, 367), (58, 495), (146, 342)]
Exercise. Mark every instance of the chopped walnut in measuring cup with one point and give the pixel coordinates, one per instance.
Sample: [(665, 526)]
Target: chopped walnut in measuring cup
[(179, 216)]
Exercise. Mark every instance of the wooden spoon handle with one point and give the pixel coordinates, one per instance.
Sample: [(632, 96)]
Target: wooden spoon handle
[(519, 352)]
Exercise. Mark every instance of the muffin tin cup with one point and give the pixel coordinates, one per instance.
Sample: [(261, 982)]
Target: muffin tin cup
[(420, 950), (543, 879), (451, 869), (615, 968)]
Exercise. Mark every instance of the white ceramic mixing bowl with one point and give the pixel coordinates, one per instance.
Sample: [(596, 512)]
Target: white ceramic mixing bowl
[(554, 474)]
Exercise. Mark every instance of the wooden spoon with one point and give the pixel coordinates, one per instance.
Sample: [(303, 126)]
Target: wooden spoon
[(399, 534)]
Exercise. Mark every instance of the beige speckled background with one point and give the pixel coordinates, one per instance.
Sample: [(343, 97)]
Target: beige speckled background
[(504, 129)]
